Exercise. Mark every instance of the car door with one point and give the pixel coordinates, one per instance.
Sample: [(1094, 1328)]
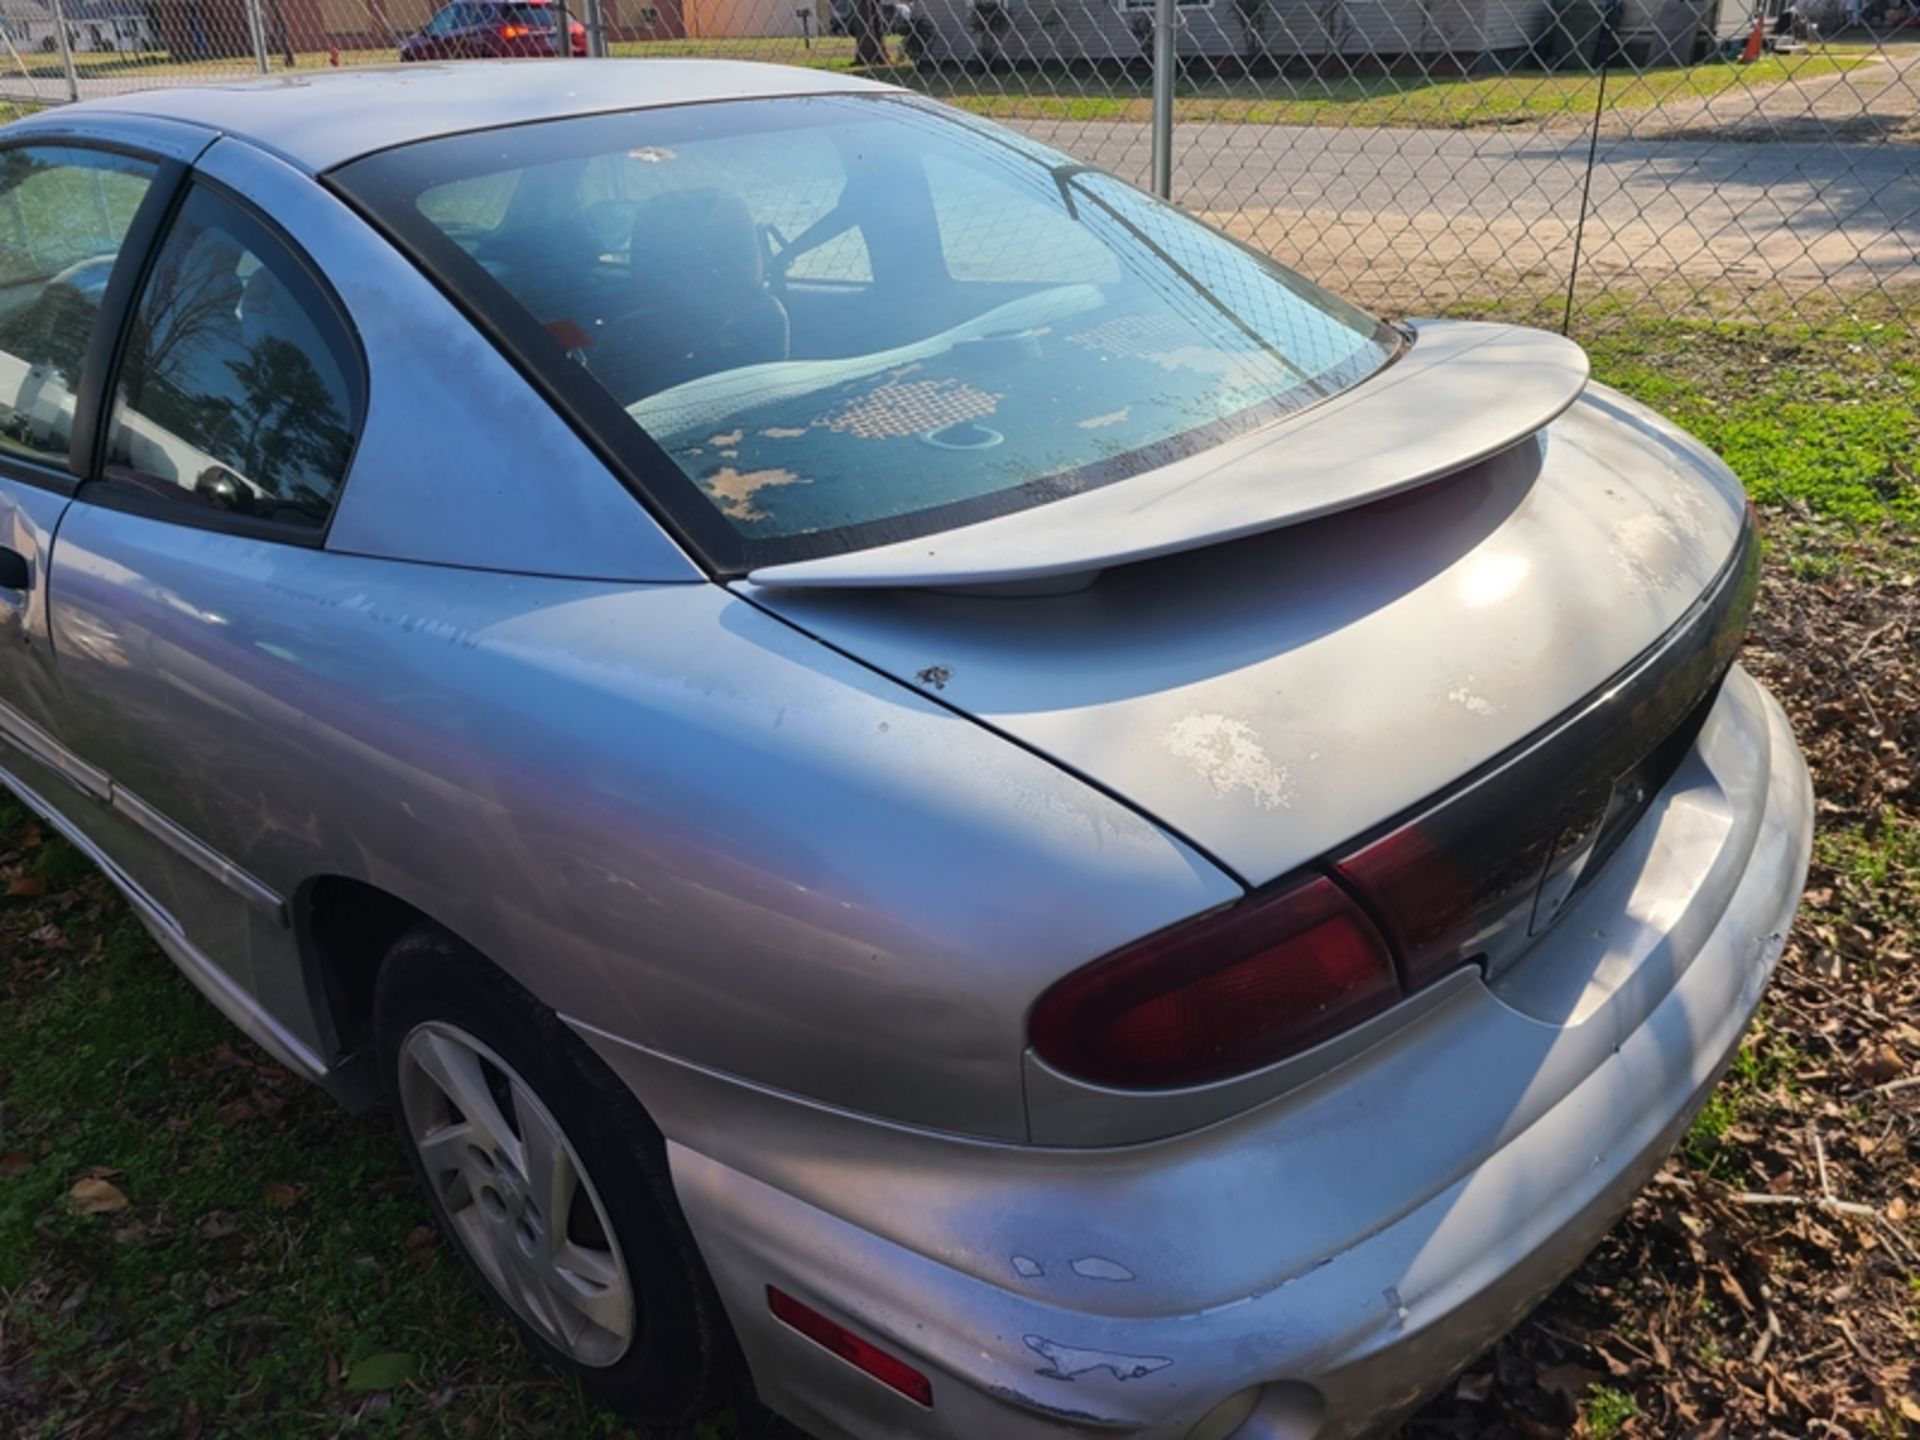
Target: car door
[(228, 424), (65, 215)]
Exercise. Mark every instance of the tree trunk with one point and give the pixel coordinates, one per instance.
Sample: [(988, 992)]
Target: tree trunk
[(869, 33)]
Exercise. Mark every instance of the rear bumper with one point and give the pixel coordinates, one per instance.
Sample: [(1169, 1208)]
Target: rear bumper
[(1345, 1247)]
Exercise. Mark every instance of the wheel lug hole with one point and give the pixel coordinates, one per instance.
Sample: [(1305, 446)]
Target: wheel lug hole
[(491, 1202)]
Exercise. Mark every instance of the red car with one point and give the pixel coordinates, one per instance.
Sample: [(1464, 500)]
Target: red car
[(491, 29)]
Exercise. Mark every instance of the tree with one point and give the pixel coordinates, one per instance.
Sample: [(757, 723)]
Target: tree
[(1253, 29), (869, 33), (293, 428)]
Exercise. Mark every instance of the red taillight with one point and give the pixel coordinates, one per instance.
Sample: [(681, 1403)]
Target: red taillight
[(514, 32), (1427, 902), (1221, 994), (896, 1374)]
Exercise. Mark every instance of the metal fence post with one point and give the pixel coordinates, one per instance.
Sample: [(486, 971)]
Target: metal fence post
[(1165, 17), (1607, 47), (66, 50), (596, 18), (257, 32), (562, 30)]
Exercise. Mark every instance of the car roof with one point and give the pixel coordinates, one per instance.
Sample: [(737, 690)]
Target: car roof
[(321, 119)]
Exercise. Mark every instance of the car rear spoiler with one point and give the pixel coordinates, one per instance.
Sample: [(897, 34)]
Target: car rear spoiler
[(1460, 392)]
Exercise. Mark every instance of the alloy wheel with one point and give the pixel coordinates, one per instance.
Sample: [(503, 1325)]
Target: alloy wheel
[(516, 1193)]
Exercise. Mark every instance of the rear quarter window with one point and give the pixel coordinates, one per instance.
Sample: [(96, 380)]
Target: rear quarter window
[(240, 394)]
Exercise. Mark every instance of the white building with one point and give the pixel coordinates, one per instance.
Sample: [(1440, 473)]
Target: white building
[(32, 26)]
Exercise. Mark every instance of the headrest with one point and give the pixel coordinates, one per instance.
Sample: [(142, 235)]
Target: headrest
[(697, 238)]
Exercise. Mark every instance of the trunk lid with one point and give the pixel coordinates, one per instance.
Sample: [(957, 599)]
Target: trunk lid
[(1274, 697)]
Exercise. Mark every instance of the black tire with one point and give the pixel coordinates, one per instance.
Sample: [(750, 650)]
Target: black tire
[(682, 1354)]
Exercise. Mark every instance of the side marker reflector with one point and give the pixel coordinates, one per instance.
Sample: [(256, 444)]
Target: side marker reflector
[(862, 1355)]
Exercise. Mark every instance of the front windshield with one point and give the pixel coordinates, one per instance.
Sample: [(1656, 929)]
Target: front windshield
[(849, 320)]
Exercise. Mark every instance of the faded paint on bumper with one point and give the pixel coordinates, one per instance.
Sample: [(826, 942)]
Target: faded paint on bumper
[(1363, 1237)]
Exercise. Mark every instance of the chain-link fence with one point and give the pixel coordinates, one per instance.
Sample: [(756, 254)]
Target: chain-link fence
[(1553, 160)]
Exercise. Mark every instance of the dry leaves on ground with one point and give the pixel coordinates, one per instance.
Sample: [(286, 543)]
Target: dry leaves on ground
[(1765, 1283)]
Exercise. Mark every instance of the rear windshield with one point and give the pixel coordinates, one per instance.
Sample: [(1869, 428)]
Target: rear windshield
[(829, 322)]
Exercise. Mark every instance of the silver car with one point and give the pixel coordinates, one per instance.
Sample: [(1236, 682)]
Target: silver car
[(904, 766)]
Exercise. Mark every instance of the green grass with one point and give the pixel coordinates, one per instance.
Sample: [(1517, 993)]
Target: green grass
[(1760, 1078), (270, 1244), (1706, 1140), (1877, 867), (56, 215), (1823, 414), (1607, 1411), (1372, 100), (160, 65), (1813, 399), (1882, 861), (1062, 93), (824, 53)]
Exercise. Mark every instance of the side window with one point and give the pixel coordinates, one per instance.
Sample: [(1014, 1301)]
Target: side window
[(240, 389), (1011, 228), (63, 215)]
